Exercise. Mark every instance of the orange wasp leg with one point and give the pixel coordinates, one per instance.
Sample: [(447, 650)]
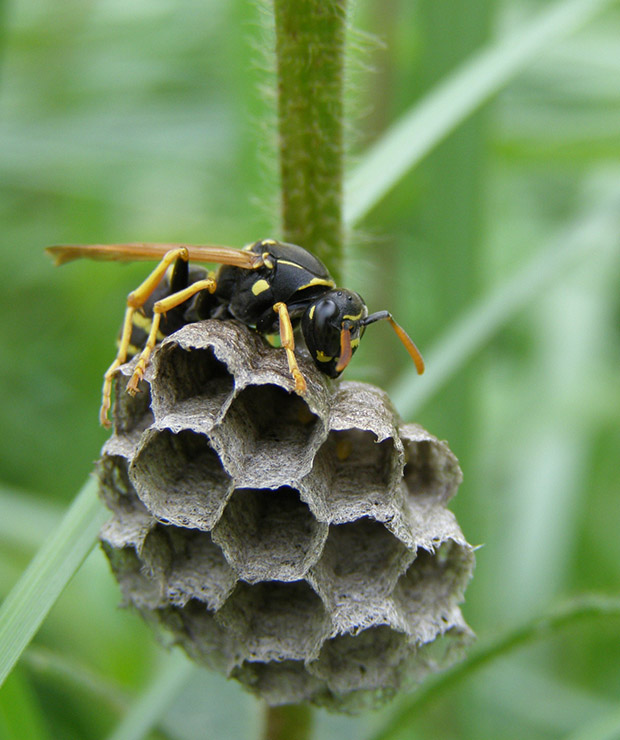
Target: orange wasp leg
[(288, 343), (135, 300), (160, 308)]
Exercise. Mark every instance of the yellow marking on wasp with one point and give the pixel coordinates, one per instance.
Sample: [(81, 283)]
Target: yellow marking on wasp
[(269, 242), (322, 357), (320, 281), (355, 342), (356, 317), (316, 281), (159, 309), (267, 261), (132, 350), (142, 321), (145, 323), (260, 286), (311, 314)]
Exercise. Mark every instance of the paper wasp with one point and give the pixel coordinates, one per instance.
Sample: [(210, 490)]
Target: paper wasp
[(268, 285)]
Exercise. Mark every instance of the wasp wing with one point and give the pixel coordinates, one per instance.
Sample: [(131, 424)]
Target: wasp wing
[(150, 251)]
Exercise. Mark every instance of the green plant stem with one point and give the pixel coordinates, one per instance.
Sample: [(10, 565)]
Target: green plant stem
[(289, 722), (310, 39), (588, 606)]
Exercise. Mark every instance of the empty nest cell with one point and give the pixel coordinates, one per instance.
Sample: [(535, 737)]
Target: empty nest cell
[(368, 661), (286, 682), (269, 535), (360, 565), (131, 414), (196, 630), (190, 383), (190, 564), (180, 478), (276, 621), (428, 593), (431, 469), (137, 586), (267, 438), (115, 487), (354, 476)]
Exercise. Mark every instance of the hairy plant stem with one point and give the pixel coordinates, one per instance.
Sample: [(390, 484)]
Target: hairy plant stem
[(310, 38), (289, 722)]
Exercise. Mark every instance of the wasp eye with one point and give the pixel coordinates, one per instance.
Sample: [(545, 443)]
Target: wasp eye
[(325, 310)]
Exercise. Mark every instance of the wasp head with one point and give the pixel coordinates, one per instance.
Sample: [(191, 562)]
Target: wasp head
[(332, 327)]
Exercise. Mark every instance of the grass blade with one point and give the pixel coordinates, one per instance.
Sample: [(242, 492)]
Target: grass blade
[(149, 707), (597, 229), (606, 727), (61, 670), (21, 714), (428, 122), (26, 519), (44, 579), (581, 608)]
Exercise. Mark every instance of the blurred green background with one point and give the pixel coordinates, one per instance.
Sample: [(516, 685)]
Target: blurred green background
[(148, 120)]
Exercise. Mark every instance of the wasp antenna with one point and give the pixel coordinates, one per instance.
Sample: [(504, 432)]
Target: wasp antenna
[(402, 335)]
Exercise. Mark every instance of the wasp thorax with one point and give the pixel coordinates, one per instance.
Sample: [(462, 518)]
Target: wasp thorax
[(300, 545)]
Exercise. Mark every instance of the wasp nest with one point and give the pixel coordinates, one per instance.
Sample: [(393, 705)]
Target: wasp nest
[(301, 546)]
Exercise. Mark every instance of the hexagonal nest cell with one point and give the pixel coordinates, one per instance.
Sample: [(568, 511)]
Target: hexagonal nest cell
[(180, 478), (268, 534), (354, 475), (358, 570), (431, 469), (267, 434), (298, 544), (276, 621)]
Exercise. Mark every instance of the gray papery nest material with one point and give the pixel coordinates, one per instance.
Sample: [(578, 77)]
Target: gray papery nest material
[(301, 546)]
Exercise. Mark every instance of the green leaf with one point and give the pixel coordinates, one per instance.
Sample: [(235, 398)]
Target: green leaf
[(60, 669), (21, 716), (31, 599), (604, 728), (589, 606), (26, 519), (153, 702), (429, 121), (593, 230)]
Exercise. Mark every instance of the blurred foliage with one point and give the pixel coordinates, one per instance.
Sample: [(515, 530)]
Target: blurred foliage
[(146, 121)]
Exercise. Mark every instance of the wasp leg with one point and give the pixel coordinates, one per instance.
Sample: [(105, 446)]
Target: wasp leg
[(160, 308), (288, 343), (136, 299)]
